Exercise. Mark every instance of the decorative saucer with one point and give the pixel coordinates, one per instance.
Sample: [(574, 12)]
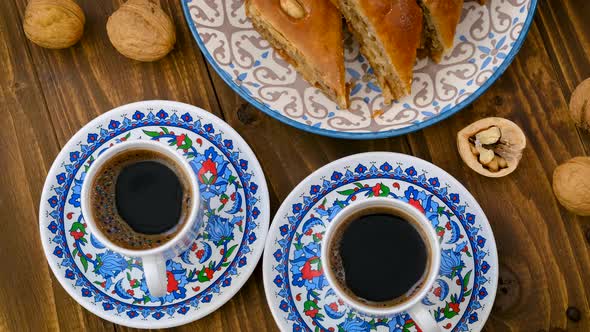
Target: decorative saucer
[(297, 291), (203, 278)]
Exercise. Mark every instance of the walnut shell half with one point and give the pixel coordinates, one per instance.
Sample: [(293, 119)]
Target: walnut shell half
[(54, 24), (571, 185), (507, 150), (141, 30)]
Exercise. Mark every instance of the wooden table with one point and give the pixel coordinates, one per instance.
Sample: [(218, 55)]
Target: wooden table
[(46, 96)]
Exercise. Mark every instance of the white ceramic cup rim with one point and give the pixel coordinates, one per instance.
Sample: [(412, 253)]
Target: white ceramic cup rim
[(148, 145), (430, 240)]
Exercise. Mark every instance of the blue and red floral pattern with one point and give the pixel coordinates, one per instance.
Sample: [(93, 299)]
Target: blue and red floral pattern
[(233, 197), (460, 300)]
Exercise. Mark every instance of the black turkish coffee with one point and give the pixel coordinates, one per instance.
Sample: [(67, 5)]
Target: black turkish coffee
[(379, 256), (140, 199)]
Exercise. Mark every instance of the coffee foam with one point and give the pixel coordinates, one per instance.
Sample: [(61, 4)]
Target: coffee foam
[(104, 207), (336, 265)]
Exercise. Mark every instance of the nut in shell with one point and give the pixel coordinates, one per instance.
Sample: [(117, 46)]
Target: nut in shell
[(499, 144), (141, 30), (293, 8), (502, 162), (489, 136), (54, 24), (571, 185), (493, 165), (580, 105), (485, 155)]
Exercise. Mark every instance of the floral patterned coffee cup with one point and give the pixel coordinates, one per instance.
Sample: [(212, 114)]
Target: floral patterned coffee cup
[(412, 304), (154, 259)]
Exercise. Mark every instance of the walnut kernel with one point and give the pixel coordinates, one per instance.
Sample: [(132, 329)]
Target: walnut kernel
[(489, 136), (485, 155)]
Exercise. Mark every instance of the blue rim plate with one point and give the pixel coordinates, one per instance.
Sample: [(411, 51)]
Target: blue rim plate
[(211, 271), (488, 38), (296, 289)]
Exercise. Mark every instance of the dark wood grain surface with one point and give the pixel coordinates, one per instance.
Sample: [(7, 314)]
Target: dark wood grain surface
[(46, 96)]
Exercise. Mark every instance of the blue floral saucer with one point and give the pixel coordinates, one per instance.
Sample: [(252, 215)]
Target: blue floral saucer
[(297, 291), (203, 278)]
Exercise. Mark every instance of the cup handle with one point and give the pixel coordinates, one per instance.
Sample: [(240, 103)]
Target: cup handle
[(423, 319), (154, 271)]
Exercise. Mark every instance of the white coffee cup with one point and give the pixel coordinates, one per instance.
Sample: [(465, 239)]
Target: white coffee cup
[(154, 259), (412, 304)]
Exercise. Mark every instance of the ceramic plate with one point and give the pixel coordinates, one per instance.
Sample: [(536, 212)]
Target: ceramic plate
[(488, 37), (296, 289), (203, 278)]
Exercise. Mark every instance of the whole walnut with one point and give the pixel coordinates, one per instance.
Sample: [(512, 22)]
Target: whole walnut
[(580, 105), (141, 30), (54, 23), (571, 185)]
